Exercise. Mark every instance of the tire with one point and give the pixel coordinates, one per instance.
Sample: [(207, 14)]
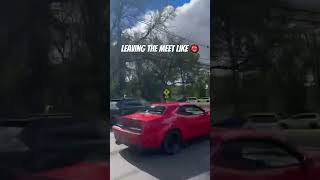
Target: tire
[(284, 126), (313, 126), (172, 142)]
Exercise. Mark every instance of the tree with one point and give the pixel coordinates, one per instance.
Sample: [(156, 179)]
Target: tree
[(242, 29), (125, 13)]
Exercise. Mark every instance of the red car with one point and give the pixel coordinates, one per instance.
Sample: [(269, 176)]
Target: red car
[(162, 125), (251, 155)]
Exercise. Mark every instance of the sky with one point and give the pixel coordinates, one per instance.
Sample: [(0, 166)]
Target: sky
[(157, 4), (192, 21)]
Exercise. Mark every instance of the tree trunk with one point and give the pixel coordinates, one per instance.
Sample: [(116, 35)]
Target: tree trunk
[(230, 41)]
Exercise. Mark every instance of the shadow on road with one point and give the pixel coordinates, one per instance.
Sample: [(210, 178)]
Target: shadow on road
[(192, 161)]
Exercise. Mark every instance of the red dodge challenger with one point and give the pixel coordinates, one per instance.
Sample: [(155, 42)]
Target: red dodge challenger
[(251, 155), (162, 125)]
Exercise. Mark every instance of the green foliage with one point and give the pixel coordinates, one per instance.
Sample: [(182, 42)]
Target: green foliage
[(146, 74)]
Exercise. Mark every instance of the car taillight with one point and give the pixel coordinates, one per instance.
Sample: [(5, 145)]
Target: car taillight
[(132, 125), (135, 125)]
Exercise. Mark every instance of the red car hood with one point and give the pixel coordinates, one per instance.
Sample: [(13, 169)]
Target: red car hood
[(142, 116), (80, 171)]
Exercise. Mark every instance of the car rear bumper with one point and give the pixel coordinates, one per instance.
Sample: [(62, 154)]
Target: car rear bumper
[(129, 138)]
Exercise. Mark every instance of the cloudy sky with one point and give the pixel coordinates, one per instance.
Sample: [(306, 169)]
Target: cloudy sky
[(192, 21)]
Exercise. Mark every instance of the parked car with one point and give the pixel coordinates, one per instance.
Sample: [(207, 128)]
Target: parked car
[(119, 107), (262, 121), (244, 154), (192, 99), (301, 121), (204, 100), (162, 125)]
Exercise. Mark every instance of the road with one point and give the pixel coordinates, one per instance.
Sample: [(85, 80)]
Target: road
[(192, 163)]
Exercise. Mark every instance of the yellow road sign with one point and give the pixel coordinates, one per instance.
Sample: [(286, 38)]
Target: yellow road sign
[(166, 93)]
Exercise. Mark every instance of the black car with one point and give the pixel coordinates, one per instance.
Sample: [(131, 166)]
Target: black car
[(119, 107)]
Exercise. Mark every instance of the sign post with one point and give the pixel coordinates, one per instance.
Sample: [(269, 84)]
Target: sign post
[(166, 94)]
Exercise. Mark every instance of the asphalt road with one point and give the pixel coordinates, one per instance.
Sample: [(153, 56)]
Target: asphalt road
[(192, 163)]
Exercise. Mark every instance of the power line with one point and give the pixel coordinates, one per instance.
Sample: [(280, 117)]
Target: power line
[(168, 32)]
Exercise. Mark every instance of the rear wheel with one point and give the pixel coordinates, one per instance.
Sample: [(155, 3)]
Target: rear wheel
[(172, 142)]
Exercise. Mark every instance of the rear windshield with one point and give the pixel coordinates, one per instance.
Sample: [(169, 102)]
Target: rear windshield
[(154, 109), (262, 119)]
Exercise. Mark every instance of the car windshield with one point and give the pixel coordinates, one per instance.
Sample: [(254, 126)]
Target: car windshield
[(192, 98), (262, 118), (154, 109)]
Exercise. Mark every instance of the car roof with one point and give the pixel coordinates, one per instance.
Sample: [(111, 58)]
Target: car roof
[(225, 134), (171, 104)]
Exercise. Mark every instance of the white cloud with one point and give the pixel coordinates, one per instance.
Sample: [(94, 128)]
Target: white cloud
[(192, 21), (140, 27)]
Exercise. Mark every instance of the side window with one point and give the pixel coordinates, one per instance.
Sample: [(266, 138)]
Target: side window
[(190, 110), (258, 155), (182, 110), (194, 110)]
